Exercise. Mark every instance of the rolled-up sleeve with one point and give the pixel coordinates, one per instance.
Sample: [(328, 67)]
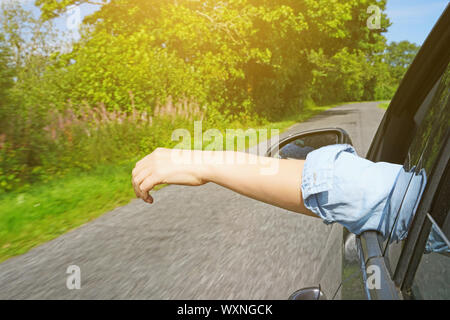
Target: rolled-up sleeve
[(339, 186)]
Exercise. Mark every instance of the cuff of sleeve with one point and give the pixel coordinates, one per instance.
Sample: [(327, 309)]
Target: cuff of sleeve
[(318, 176)]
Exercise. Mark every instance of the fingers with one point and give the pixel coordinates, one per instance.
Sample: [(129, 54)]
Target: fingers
[(148, 158), (148, 184), (138, 168), (136, 189), (142, 161), (143, 181), (139, 175), (148, 199), (143, 177)]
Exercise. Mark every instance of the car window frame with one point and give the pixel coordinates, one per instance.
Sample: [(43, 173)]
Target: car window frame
[(392, 250), (414, 245)]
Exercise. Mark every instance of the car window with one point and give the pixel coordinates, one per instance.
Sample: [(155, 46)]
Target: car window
[(432, 130), (432, 278)]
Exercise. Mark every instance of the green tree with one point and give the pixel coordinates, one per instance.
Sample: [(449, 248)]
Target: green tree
[(30, 42), (398, 56), (236, 57), (6, 73)]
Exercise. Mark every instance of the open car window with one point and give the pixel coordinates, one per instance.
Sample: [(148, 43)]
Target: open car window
[(432, 131), (432, 277)]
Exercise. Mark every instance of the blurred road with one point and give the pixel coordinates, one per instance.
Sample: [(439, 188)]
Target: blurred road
[(193, 243)]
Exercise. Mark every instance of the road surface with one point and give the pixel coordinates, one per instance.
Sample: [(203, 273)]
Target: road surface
[(192, 243)]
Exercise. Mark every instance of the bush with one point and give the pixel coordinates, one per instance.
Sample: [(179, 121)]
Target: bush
[(41, 148)]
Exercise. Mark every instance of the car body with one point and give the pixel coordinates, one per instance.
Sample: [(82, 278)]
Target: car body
[(414, 132)]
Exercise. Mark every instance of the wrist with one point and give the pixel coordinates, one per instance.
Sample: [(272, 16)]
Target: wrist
[(217, 165), (207, 167)]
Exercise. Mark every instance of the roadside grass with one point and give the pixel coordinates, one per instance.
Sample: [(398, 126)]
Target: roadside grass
[(353, 286), (285, 123), (384, 105), (47, 210), (51, 209)]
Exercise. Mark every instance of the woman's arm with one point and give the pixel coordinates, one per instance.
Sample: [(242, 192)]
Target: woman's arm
[(274, 181)]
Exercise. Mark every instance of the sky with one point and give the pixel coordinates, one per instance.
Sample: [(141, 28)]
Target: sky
[(411, 20)]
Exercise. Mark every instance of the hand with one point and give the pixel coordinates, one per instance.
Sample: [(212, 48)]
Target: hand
[(159, 167)]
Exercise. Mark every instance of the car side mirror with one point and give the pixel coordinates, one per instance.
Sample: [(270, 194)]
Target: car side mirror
[(312, 293), (298, 145)]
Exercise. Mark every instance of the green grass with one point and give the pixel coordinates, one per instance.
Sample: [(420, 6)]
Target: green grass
[(384, 105), (308, 112), (285, 123), (49, 210), (46, 210), (353, 285)]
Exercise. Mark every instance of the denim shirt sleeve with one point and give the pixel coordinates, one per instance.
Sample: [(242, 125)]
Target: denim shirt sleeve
[(339, 186)]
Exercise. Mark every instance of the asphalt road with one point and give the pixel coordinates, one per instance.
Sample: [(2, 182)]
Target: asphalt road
[(193, 243)]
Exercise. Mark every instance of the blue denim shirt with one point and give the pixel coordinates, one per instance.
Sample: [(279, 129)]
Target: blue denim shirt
[(339, 186)]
